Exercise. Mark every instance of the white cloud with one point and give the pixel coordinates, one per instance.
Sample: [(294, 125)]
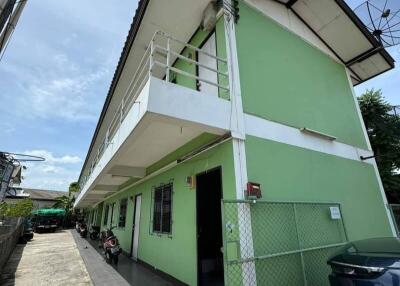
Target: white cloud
[(50, 158), (65, 96), (49, 169), (37, 177), (55, 173)]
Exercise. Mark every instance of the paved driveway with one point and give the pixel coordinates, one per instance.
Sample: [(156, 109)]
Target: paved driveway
[(49, 259)]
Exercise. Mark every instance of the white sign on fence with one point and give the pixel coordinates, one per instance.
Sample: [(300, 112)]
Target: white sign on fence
[(335, 212)]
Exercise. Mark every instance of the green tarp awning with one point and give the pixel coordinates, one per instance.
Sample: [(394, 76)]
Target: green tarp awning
[(48, 212)]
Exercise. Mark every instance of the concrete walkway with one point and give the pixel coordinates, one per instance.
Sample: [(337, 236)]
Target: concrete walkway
[(64, 258), (127, 272), (102, 274), (49, 259)]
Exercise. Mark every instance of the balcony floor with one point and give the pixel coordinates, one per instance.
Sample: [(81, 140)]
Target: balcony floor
[(163, 118)]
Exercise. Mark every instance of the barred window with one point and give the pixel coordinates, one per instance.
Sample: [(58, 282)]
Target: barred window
[(162, 209), (122, 212), (106, 214)]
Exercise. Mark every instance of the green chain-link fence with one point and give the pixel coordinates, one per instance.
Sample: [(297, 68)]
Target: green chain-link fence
[(280, 243)]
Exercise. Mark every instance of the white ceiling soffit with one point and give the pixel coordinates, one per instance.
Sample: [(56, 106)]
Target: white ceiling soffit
[(176, 17), (343, 32)]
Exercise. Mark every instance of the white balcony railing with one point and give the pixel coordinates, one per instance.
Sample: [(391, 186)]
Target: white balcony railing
[(158, 61)]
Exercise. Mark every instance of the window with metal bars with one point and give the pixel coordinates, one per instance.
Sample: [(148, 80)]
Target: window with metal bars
[(122, 212), (162, 209)]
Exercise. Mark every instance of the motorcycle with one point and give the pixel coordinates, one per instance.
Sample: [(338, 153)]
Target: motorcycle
[(83, 230), (110, 246), (95, 233), (78, 227)]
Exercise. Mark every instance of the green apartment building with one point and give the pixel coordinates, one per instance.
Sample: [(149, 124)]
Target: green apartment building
[(230, 146)]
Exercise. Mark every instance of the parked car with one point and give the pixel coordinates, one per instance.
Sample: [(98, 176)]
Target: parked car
[(45, 223), (367, 262), (47, 219), (28, 229)]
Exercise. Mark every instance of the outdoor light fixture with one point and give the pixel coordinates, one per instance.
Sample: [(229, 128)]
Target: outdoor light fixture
[(191, 181), (317, 134)]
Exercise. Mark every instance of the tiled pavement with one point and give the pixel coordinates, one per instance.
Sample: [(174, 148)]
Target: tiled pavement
[(127, 272)]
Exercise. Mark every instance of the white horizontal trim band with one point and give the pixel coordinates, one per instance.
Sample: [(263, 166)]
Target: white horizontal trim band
[(266, 129)]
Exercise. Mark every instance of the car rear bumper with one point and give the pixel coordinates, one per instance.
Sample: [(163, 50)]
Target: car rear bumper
[(390, 277), (28, 235)]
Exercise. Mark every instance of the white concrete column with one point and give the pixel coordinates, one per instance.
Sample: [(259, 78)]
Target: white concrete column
[(239, 153), (378, 177)]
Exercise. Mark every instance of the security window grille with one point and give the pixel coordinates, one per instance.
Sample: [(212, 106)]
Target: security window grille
[(122, 212), (162, 210), (106, 214)]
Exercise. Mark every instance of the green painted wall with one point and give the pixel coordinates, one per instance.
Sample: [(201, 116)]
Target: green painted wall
[(197, 40), (198, 142), (99, 214), (285, 79), (289, 173), (175, 254)]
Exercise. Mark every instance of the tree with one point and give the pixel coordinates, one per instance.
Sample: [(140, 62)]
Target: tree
[(383, 128), (73, 188), (66, 202), (22, 208)]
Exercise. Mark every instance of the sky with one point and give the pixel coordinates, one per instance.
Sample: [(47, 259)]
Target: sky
[(55, 75), (54, 78)]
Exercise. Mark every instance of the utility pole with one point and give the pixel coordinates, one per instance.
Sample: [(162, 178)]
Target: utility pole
[(10, 11)]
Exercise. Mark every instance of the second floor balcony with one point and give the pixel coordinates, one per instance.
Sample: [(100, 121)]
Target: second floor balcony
[(177, 92)]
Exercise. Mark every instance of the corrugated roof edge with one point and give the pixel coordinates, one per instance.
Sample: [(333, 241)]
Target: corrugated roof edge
[(137, 19), (357, 21)]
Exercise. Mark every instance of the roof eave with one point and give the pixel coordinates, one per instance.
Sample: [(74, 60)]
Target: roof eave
[(357, 21), (137, 19)]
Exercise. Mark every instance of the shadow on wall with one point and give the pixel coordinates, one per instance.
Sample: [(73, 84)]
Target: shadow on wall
[(11, 230)]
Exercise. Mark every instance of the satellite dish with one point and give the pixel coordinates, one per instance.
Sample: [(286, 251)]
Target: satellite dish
[(382, 19)]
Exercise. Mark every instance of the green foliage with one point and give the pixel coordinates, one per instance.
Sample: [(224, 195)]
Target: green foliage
[(22, 208), (383, 128), (73, 188), (66, 202)]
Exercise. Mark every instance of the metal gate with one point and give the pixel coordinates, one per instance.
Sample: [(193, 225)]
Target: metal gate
[(280, 243)]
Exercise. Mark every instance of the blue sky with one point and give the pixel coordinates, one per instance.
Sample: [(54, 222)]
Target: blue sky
[(54, 78), (55, 75)]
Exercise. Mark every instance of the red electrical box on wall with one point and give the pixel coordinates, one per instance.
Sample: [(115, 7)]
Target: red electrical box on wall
[(253, 190)]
